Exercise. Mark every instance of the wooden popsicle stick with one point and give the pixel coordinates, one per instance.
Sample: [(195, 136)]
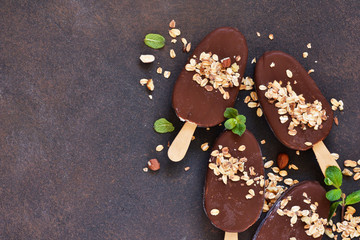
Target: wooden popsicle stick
[(231, 236), (324, 157), (180, 145)]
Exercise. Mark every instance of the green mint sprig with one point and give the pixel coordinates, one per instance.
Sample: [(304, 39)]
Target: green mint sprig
[(154, 40), (333, 177), (235, 122), (163, 126)]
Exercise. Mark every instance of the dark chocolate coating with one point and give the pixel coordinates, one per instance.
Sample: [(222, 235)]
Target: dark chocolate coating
[(305, 85), (276, 227), (191, 101), (236, 212)]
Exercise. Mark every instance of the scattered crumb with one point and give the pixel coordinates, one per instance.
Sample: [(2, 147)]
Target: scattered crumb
[(263, 141), (205, 146), (336, 121), (167, 74), (305, 54), (172, 53), (172, 24), (297, 152), (207, 129), (187, 169), (192, 138), (258, 34), (145, 169), (159, 70), (272, 64), (150, 96), (253, 61), (308, 45), (159, 148), (311, 71), (271, 36), (173, 40)]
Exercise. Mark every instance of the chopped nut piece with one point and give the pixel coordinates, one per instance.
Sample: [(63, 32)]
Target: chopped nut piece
[(159, 148), (258, 34), (154, 164), (151, 97), (174, 32), (271, 36), (293, 166), (242, 148), (172, 24), (143, 81), (145, 169), (150, 85), (268, 164), (205, 146), (226, 62), (188, 47), (167, 74), (347, 172), (173, 40), (209, 88), (350, 163), (172, 53), (336, 121), (272, 64), (357, 176), (262, 87), (159, 70), (148, 58), (263, 141), (253, 61), (289, 73), (187, 169), (308, 45), (214, 212), (305, 54), (297, 152), (238, 58)]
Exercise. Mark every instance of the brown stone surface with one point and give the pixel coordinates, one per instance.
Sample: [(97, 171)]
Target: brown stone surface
[(76, 126)]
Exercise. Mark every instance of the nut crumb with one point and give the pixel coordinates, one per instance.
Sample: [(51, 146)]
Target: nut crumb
[(258, 34), (167, 74), (263, 141), (297, 152), (159, 148), (172, 24), (272, 64), (173, 40), (150, 85), (253, 61), (205, 146), (145, 169), (308, 45), (271, 36), (143, 81), (172, 53), (305, 54), (150, 96), (159, 70), (186, 169)]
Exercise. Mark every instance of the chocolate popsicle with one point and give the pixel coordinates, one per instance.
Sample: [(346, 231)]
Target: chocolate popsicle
[(297, 112), (280, 223), (234, 203), (202, 94)]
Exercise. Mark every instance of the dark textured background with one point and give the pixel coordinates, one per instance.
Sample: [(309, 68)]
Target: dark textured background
[(76, 126)]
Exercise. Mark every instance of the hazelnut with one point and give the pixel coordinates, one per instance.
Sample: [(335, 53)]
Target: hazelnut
[(226, 62), (154, 164), (282, 160)]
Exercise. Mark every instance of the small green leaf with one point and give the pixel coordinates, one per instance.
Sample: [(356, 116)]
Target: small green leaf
[(230, 123), (241, 119), (353, 198), (328, 182), (333, 195), (154, 40), (335, 175), (333, 208), (239, 129), (163, 126), (231, 113)]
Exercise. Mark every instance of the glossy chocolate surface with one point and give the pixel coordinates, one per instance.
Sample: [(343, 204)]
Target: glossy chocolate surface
[(276, 227), (191, 101), (305, 85), (236, 212)]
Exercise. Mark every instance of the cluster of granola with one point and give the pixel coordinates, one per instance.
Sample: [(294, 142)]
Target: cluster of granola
[(273, 190), (302, 114), (234, 169), (314, 225), (349, 228), (212, 73)]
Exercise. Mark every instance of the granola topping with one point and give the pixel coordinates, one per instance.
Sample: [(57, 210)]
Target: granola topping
[(212, 73), (301, 114)]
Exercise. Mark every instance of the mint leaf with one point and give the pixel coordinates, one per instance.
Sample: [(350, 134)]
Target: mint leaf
[(333, 208), (353, 198), (241, 119), (333, 195), (334, 174), (231, 113), (328, 182), (163, 126), (230, 123), (154, 40), (239, 129)]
